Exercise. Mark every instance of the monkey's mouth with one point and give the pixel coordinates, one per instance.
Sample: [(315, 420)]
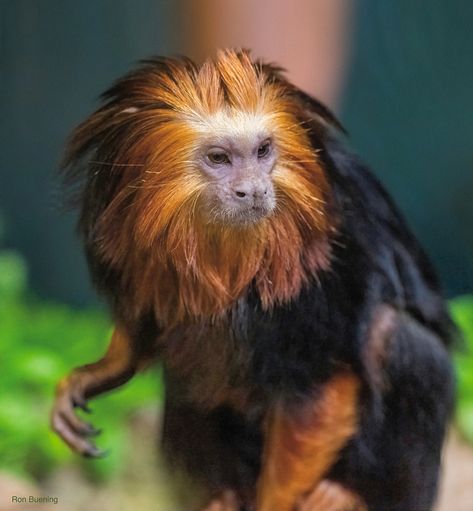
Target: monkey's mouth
[(240, 216), (250, 214)]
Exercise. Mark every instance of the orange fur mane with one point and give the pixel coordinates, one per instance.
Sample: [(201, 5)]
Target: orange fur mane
[(152, 228)]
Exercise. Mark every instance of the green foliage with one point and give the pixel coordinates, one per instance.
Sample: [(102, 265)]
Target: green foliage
[(40, 343), (462, 312)]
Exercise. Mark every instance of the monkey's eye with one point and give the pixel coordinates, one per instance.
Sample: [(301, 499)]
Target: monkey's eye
[(264, 148), (218, 158)]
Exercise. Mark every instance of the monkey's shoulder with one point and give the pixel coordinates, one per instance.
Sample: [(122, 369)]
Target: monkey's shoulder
[(376, 242)]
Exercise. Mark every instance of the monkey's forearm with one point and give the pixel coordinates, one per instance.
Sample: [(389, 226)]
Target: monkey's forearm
[(116, 367), (301, 446)]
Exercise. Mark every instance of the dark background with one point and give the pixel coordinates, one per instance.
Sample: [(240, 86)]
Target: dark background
[(408, 107)]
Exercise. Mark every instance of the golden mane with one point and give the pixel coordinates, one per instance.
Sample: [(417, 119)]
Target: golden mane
[(148, 224)]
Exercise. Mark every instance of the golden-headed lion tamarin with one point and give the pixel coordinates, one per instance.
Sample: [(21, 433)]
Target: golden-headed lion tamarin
[(299, 323)]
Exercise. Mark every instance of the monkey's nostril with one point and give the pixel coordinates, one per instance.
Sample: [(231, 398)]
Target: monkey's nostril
[(240, 194), (258, 194)]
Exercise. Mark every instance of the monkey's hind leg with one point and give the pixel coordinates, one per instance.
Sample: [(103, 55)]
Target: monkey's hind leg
[(417, 406), (304, 441), (116, 367)]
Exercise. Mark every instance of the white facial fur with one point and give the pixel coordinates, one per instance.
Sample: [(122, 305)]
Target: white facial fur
[(237, 155)]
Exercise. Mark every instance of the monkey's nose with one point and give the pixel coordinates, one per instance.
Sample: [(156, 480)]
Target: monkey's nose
[(251, 192)]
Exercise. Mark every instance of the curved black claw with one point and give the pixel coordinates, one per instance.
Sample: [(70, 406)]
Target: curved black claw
[(97, 453), (80, 402)]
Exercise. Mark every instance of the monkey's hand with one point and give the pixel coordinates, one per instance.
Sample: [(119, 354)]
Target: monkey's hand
[(64, 420), (228, 501), (330, 496), (117, 366)]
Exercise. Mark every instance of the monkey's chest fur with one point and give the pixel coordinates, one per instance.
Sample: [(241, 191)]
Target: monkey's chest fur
[(250, 355), (208, 361)]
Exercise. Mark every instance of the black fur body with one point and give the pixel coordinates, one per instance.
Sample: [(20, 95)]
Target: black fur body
[(393, 462)]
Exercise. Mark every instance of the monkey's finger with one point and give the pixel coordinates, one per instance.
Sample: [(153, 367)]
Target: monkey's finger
[(80, 402), (319, 499), (81, 427), (64, 407), (230, 501), (75, 441), (215, 505), (98, 453), (330, 496), (226, 502)]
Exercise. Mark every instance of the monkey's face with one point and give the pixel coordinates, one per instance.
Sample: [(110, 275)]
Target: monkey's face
[(203, 178), (179, 149), (237, 156)]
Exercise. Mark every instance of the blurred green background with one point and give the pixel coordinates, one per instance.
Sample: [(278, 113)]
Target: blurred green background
[(408, 107)]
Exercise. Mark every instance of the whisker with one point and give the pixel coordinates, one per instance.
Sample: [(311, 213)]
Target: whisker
[(168, 162), (115, 164), (145, 186)]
